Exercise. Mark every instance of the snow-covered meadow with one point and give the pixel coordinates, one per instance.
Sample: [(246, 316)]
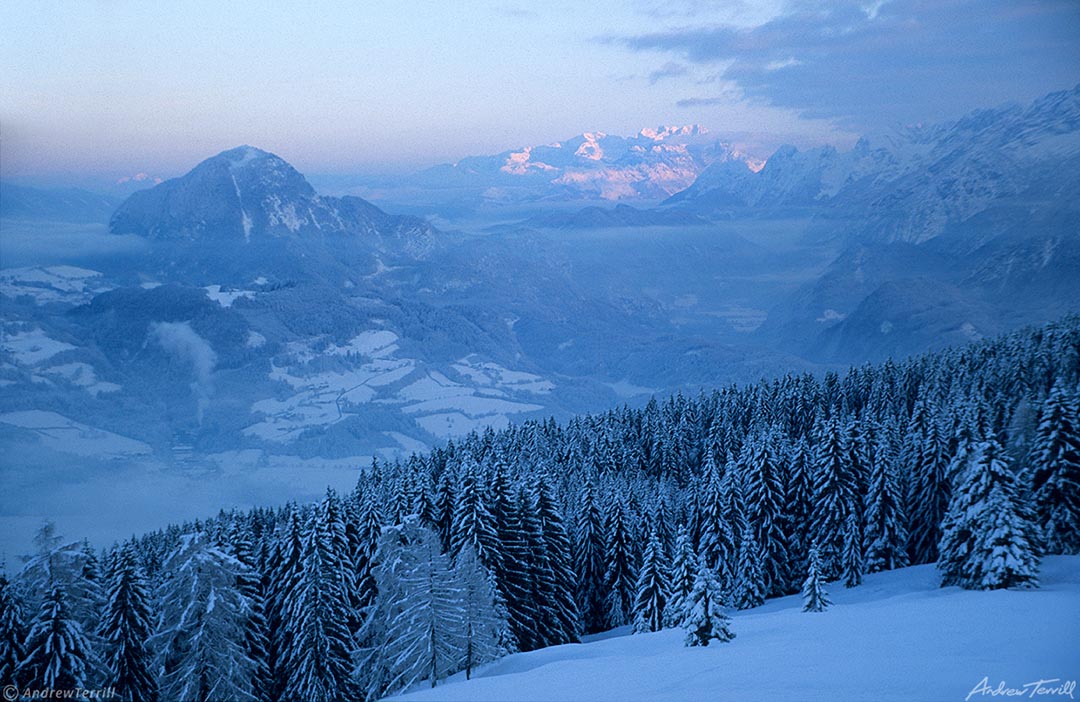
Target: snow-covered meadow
[(898, 636)]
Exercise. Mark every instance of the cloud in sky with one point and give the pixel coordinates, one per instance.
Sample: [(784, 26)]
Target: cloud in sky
[(900, 61), (668, 70)]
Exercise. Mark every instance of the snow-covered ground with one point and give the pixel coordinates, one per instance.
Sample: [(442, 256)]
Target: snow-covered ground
[(45, 284), (485, 394), (897, 637)]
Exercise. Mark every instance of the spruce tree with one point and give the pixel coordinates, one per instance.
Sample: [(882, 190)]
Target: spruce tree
[(750, 574), (589, 562), (703, 616), (885, 535), (317, 613), (1004, 540), (853, 557), (126, 629), (765, 510), (1055, 459), (799, 495), (652, 589), (620, 579), (815, 598), (557, 599), (12, 633), (517, 576), (989, 537), (58, 654), (928, 462), (834, 494), (683, 574), (473, 523), (717, 542)]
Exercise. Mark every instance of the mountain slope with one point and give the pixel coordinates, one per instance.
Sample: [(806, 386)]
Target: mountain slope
[(898, 636), (55, 204)]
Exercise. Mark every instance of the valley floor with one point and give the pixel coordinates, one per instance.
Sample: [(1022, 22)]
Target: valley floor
[(896, 637)]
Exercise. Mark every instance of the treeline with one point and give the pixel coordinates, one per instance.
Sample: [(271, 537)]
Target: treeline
[(535, 535)]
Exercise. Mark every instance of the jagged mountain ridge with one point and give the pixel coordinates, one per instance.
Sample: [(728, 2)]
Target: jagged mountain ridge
[(594, 166), (917, 182)]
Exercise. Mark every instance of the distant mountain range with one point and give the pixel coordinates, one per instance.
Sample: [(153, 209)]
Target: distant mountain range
[(916, 183), (594, 166)]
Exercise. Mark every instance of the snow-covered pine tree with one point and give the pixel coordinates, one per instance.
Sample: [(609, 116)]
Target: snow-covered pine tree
[(473, 523), (717, 542), (58, 654), (885, 534), (834, 494), (589, 562), (445, 500), (652, 588), (815, 598), (749, 588), (12, 632), (560, 614), (765, 509), (125, 630), (1055, 463), (620, 579), (928, 461), (503, 514), (367, 543), (317, 613), (703, 616), (852, 557), (199, 638), (683, 574), (86, 593), (797, 510), (984, 550), (281, 576), (480, 619), (1010, 558)]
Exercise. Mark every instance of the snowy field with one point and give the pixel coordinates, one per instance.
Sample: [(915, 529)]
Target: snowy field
[(897, 637)]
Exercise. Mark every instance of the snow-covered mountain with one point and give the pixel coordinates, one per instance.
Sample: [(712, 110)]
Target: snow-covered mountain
[(594, 166), (913, 184), (249, 194)]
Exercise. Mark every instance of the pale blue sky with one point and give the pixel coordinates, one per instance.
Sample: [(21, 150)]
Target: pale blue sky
[(116, 87)]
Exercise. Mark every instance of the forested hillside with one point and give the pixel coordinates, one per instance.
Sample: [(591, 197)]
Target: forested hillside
[(537, 534)]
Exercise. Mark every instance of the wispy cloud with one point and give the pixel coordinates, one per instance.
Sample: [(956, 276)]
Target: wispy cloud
[(668, 70), (702, 101), (867, 65)]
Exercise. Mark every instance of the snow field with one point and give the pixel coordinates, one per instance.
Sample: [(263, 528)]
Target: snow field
[(899, 636)]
